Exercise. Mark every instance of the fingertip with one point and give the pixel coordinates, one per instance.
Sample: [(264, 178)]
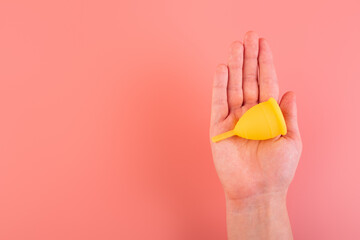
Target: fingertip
[(286, 101), (264, 45), (221, 68), (290, 96), (236, 48), (263, 41), (251, 34), (251, 38)]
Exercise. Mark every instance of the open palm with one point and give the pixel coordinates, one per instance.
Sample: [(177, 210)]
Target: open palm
[(246, 167)]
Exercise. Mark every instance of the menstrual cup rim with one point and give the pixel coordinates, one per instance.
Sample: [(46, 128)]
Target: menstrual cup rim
[(279, 115)]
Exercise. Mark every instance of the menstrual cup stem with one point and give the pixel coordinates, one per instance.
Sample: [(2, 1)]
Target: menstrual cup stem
[(223, 136)]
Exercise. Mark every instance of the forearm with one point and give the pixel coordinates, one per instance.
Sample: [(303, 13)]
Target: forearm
[(258, 217)]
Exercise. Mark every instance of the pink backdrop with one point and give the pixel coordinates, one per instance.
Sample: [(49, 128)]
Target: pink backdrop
[(99, 100)]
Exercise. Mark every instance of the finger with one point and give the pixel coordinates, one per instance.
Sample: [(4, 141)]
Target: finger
[(235, 94), (220, 109), (289, 110), (250, 71), (268, 84)]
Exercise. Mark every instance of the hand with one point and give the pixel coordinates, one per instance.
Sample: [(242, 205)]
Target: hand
[(251, 169)]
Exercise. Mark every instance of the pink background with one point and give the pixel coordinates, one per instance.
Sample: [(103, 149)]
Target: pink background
[(98, 100)]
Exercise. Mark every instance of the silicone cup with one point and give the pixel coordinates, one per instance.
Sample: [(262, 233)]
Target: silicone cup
[(261, 122)]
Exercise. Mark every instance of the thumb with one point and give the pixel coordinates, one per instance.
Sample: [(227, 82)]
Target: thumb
[(289, 110)]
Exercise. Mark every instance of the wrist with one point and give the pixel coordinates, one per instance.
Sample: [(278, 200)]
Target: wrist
[(263, 216), (256, 202)]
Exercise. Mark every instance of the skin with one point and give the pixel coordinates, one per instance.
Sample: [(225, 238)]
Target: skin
[(255, 175)]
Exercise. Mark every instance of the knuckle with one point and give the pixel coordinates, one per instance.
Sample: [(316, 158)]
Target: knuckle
[(250, 76)]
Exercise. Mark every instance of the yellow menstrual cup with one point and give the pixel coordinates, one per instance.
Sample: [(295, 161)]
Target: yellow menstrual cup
[(263, 121)]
